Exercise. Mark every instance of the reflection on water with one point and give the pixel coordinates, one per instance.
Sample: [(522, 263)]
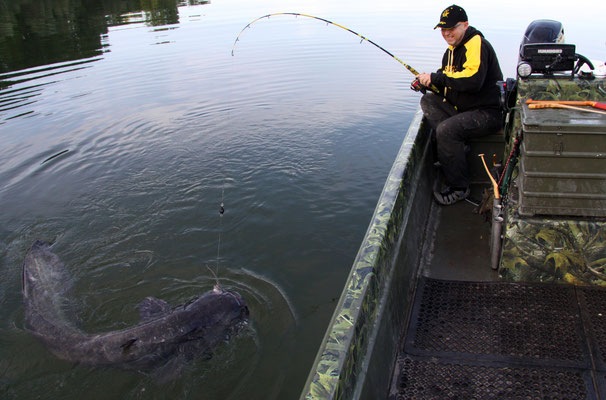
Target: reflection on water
[(70, 35), (34, 32)]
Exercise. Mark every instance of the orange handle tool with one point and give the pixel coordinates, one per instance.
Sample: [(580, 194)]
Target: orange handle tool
[(594, 104)]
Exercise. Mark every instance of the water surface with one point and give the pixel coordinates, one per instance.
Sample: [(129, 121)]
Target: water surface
[(124, 125)]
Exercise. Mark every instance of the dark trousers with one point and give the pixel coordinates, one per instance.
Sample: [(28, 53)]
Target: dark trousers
[(453, 129)]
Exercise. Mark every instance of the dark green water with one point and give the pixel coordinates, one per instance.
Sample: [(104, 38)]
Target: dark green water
[(125, 124)]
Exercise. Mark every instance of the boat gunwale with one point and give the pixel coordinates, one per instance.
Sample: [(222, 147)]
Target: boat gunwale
[(345, 350)]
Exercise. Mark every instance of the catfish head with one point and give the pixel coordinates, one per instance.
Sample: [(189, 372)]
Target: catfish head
[(210, 318)]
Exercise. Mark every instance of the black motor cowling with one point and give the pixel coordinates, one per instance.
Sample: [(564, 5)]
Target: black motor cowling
[(543, 51), (543, 31)]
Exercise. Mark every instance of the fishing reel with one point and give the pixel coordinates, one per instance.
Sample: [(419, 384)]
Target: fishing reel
[(417, 87)]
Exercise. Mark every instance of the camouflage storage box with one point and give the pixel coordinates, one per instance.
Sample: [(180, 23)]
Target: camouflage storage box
[(562, 168)]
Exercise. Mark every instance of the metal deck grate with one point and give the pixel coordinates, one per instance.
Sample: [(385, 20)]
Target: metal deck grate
[(593, 306), (500, 340), (493, 320), (421, 379)]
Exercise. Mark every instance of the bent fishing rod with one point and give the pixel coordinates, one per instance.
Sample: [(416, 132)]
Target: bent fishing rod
[(415, 85)]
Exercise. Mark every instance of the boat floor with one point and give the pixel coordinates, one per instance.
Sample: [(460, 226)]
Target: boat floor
[(503, 340), (472, 337), (458, 242)]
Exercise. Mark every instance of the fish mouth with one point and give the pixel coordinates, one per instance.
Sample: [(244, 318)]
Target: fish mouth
[(242, 317), (244, 312), (238, 323)]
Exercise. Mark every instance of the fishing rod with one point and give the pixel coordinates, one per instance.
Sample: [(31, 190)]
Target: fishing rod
[(415, 85)]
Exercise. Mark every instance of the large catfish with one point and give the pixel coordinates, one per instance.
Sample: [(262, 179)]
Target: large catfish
[(163, 333)]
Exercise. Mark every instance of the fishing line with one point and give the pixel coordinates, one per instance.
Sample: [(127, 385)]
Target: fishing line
[(221, 212), (408, 67), (222, 205)]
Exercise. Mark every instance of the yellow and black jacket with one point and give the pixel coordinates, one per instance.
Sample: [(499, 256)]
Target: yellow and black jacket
[(469, 74)]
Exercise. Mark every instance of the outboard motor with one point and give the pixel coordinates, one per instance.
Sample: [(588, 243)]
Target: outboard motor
[(543, 31), (543, 51)]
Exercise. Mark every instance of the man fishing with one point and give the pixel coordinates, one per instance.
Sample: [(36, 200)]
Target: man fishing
[(468, 104)]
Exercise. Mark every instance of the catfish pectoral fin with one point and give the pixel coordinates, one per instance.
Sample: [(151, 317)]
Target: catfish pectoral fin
[(151, 308)]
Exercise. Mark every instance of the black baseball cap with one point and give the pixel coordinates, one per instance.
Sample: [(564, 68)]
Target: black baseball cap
[(451, 16)]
